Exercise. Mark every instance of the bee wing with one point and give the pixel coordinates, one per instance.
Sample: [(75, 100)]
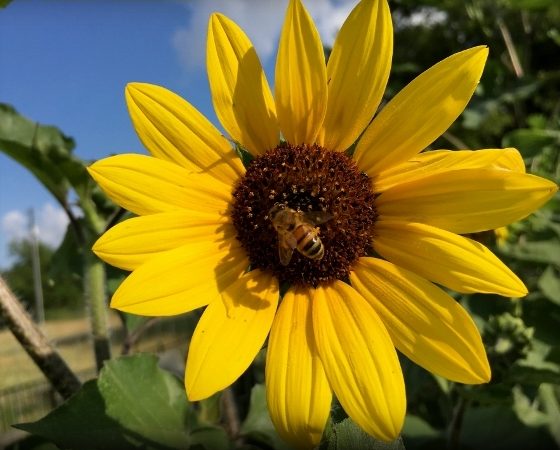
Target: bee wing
[(317, 217), (285, 254), (286, 245)]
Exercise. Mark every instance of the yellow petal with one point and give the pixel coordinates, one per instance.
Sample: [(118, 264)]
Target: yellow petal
[(225, 342), (357, 73), (298, 393), (131, 243), (359, 359), (172, 129), (448, 259), (424, 322), (466, 200), (421, 112), (510, 159), (181, 280), (146, 185), (436, 161), (240, 92), (301, 77)]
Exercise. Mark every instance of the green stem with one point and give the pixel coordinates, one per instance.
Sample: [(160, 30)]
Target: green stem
[(94, 279)]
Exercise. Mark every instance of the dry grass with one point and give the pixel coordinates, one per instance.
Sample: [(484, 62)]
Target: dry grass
[(17, 368)]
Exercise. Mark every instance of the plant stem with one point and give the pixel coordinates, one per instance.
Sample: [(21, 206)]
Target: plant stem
[(36, 344), (510, 46), (231, 414), (454, 433), (94, 279)]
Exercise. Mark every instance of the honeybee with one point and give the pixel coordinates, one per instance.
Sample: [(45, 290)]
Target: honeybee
[(296, 231)]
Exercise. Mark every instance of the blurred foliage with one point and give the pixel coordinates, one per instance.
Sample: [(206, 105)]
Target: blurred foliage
[(61, 289), (517, 104)]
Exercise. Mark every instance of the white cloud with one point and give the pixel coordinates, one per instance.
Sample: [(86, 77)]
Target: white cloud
[(260, 20), (14, 225), (51, 223)]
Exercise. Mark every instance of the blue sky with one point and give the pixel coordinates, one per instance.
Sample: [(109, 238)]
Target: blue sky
[(66, 63)]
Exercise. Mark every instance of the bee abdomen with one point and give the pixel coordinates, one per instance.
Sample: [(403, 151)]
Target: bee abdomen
[(310, 245)]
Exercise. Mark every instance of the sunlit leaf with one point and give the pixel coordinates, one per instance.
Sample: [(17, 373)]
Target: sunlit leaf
[(133, 404)]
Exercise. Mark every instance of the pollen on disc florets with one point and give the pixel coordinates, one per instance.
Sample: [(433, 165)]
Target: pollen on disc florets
[(305, 178)]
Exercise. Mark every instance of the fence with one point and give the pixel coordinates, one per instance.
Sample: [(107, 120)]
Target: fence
[(30, 401)]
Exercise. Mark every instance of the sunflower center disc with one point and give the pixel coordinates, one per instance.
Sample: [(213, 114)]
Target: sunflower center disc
[(305, 179)]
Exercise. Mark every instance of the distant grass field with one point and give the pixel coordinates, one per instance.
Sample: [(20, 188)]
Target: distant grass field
[(25, 394), (17, 368)]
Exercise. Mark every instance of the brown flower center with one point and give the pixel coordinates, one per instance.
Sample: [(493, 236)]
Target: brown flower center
[(329, 202)]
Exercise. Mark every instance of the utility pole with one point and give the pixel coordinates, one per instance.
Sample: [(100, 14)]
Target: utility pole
[(36, 264)]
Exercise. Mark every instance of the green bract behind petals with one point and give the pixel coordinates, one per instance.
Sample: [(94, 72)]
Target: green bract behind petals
[(421, 112)]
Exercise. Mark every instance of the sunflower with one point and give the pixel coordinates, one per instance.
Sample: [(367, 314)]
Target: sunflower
[(391, 229)]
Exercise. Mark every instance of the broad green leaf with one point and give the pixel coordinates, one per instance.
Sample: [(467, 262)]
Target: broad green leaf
[(498, 428), (346, 435), (81, 423), (420, 433), (146, 400), (549, 283), (548, 395), (530, 142), (526, 411), (534, 372), (133, 404), (210, 438), (43, 150), (257, 425), (536, 251)]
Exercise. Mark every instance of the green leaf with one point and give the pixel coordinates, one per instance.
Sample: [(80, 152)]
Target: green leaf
[(549, 399), (4, 3), (257, 425), (81, 423), (536, 251), (38, 148), (415, 427), (534, 372), (526, 411), (133, 404), (498, 427), (346, 435), (549, 283), (530, 142), (210, 438)]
